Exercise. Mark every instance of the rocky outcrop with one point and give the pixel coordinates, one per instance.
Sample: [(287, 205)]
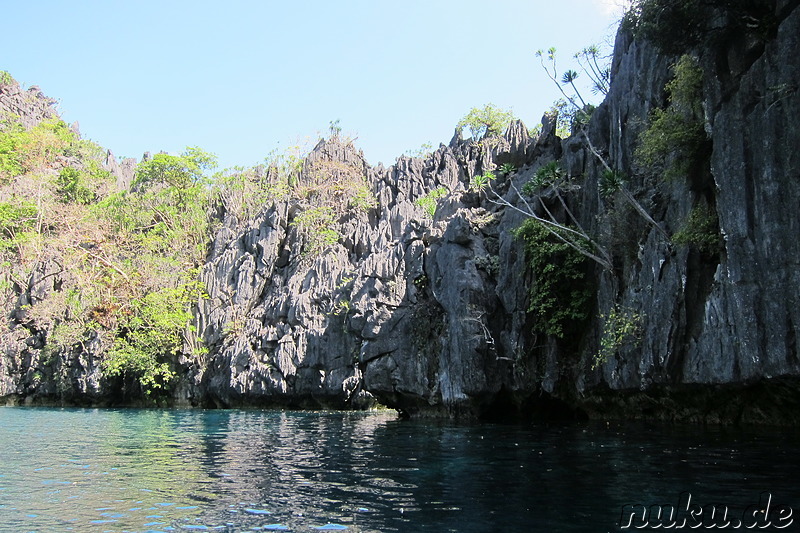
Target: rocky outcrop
[(122, 169), (437, 322), (726, 321), (30, 106), (430, 315)]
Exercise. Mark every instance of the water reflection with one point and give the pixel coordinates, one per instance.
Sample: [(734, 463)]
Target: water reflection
[(152, 470)]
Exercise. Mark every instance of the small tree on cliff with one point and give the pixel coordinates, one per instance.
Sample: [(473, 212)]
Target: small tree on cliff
[(486, 121)]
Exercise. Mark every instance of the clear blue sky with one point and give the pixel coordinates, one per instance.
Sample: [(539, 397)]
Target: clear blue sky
[(241, 78)]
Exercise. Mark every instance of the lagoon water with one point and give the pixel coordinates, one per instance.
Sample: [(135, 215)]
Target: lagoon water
[(92, 470)]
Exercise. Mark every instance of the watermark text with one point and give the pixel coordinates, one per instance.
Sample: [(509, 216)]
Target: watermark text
[(691, 514)]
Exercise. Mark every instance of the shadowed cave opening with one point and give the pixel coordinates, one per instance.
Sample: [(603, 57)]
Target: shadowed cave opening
[(508, 406)]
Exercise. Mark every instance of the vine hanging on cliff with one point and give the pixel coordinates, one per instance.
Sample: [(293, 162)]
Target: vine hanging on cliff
[(559, 295)]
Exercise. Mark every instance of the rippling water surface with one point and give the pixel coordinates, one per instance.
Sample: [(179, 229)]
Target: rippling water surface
[(184, 470)]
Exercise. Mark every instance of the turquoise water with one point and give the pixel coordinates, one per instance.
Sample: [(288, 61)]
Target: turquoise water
[(182, 470)]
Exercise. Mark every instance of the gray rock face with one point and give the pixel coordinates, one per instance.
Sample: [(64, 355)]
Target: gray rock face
[(430, 315), (754, 294), (30, 106), (287, 327), (123, 170), (714, 321)]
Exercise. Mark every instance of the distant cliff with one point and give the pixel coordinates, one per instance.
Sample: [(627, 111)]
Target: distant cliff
[(695, 319)]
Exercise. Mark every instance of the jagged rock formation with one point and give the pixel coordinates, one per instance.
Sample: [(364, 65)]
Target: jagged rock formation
[(436, 320), (27, 370), (30, 106), (430, 316)]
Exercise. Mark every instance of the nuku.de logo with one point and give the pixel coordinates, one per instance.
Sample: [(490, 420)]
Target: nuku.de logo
[(688, 514)]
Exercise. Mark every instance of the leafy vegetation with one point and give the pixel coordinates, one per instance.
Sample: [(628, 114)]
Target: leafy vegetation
[(23, 150), (507, 169), (244, 193), (429, 202), (548, 175), (700, 230), (81, 186), (573, 111), (675, 139), (166, 212), (559, 294), (621, 327), (317, 226), (123, 259), (422, 152), (610, 182), (486, 121), (479, 182), (17, 220), (328, 191), (676, 26), (152, 334), (6, 78), (561, 223)]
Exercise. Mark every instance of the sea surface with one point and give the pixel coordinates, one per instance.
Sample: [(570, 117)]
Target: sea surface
[(95, 470)]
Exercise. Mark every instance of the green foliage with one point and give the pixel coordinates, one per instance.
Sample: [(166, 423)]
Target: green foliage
[(570, 118), (6, 78), (622, 227), (669, 136), (362, 198), (422, 152), (507, 169), (129, 254), (316, 224), (182, 176), (573, 111), (686, 87), (152, 335), (610, 182), (621, 327), (335, 185), (486, 121), (549, 174), (342, 308), (44, 142), (12, 137), (590, 59), (167, 213), (17, 219), (429, 202), (71, 187), (676, 138), (15, 216), (676, 26), (700, 230), (334, 128), (66, 334), (672, 25), (24, 150), (559, 295), (479, 182), (246, 192), (87, 151)]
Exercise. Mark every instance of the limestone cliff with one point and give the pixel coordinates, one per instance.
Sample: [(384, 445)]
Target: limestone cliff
[(429, 315), (436, 319)]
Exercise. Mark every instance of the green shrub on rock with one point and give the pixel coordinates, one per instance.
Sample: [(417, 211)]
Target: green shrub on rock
[(621, 327), (700, 230), (486, 121), (676, 138), (559, 294)]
